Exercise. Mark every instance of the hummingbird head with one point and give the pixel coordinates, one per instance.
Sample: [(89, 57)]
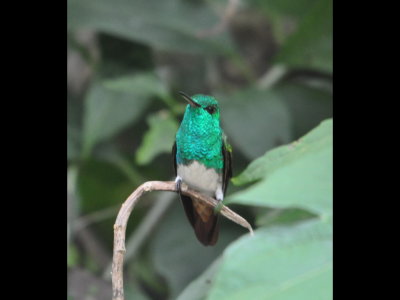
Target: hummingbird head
[(203, 109), (199, 136)]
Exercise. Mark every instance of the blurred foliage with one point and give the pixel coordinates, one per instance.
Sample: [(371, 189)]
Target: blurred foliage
[(159, 137), (298, 174), (269, 63)]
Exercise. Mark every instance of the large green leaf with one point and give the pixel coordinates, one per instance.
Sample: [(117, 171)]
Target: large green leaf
[(277, 216), (255, 120), (198, 288), (178, 256), (287, 263), (167, 25), (101, 185), (308, 106), (133, 292), (140, 85), (294, 175), (108, 152), (111, 105), (310, 46), (159, 138)]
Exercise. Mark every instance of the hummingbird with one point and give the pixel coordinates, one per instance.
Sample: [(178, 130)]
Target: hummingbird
[(202, 160)]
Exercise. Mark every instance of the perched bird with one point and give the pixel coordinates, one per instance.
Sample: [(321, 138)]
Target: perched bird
[(202, 160)]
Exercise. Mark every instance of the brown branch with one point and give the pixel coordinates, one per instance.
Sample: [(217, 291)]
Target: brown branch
[(123, 216)]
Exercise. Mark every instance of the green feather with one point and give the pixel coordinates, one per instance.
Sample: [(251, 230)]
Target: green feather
[(200, 136)]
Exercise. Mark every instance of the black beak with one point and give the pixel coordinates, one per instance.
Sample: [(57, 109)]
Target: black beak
[(190, 100)]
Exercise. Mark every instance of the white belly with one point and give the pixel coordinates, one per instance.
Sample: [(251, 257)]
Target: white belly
[(200, 178)]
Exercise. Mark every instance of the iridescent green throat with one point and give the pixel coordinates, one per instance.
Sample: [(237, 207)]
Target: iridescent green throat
[(200, 136)]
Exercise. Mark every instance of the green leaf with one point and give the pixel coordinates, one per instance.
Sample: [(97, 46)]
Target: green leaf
[(255, 120), (311, 45), (159, 138), (101, 185), (140, 85), (198, 288), (133, 292), (266, 164), (133, 288), (112, 105), (109, 153), (167, 25), (295, 175), (142, 268), (278, 263), (272, 117), (278, 216), (175, 249), (308, 106)]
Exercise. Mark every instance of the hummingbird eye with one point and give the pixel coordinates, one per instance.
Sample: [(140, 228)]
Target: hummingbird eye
[(211, 109)]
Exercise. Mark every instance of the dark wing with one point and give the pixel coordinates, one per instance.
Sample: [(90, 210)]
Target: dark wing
[(174, 157), (227, 171)]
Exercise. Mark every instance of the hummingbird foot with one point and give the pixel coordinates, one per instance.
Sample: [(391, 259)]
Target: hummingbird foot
[(218, 208), (219, 195), (178, 181)]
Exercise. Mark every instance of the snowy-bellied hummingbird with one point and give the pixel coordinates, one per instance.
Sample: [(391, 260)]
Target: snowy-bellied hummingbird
[(202, 159)]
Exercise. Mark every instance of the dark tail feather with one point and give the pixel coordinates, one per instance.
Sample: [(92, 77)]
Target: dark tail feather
[(189, 209), (206, 232)]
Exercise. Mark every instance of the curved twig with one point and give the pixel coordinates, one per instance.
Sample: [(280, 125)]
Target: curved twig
[(123, 216)]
